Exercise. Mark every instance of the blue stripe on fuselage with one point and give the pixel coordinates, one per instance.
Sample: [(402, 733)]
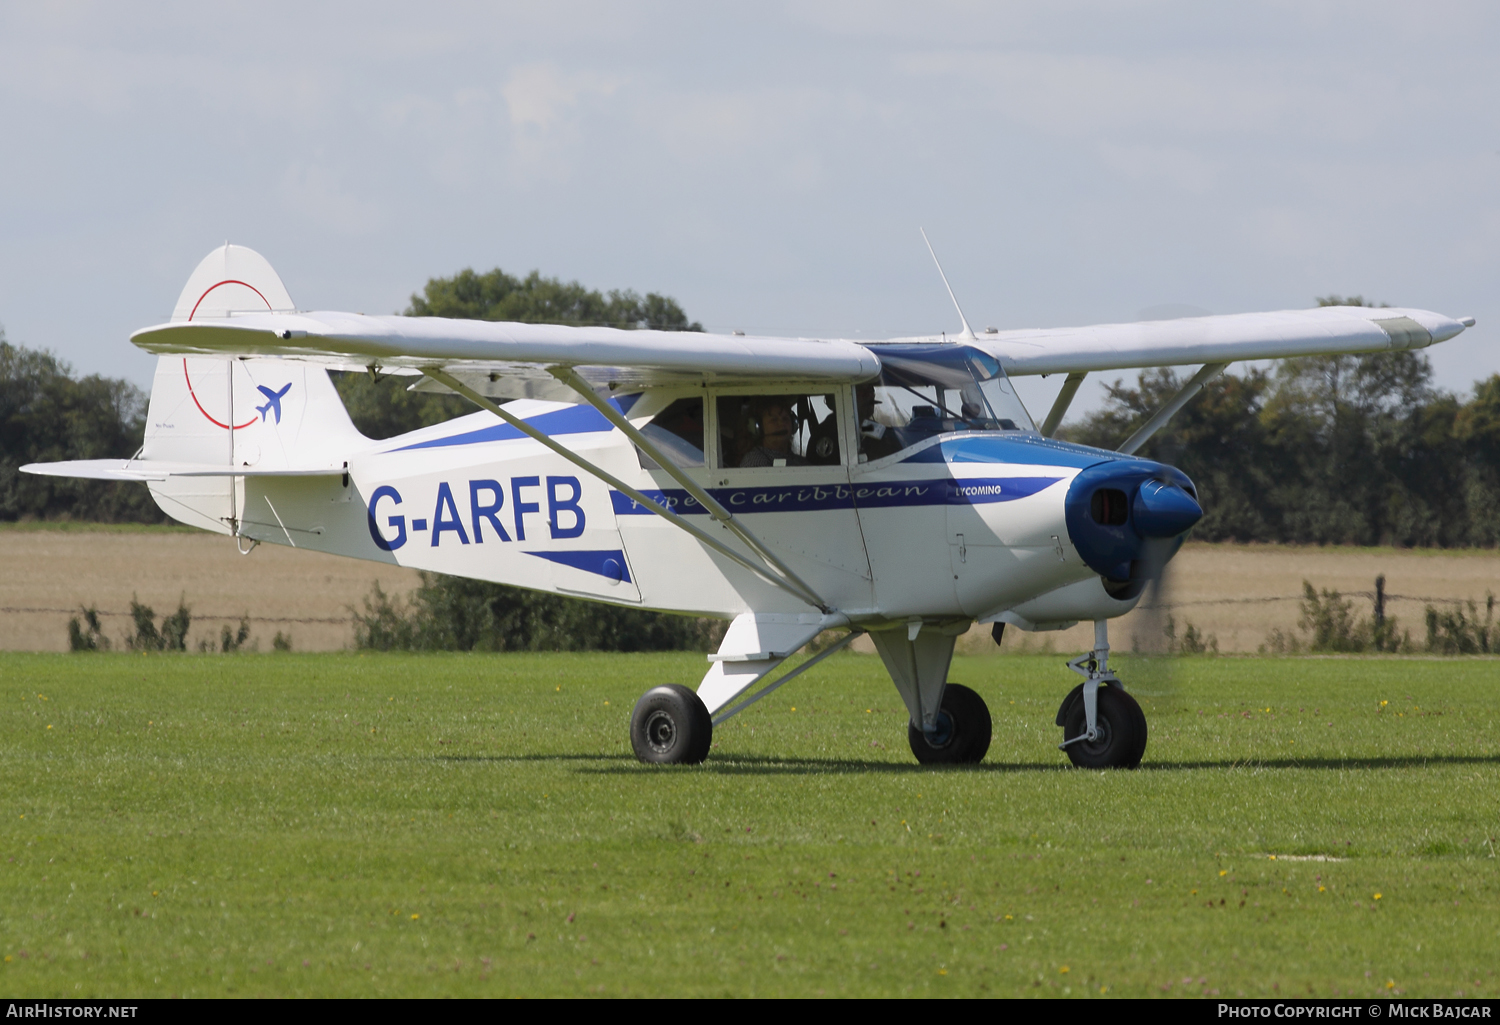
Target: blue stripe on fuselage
[(874, 495), (578, 419)]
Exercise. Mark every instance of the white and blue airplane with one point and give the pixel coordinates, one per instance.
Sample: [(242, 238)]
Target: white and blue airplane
[(789, 485)]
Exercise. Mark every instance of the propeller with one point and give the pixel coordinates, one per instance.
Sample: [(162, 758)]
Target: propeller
[(1150, 636)]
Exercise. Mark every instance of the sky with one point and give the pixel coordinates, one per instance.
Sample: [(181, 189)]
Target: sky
[(768, 165)]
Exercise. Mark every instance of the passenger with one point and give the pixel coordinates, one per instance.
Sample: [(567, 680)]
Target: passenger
[(875, 439), (776, 427)]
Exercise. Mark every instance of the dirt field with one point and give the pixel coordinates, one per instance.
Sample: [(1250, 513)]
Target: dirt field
[(49, 573), (1237, 594)]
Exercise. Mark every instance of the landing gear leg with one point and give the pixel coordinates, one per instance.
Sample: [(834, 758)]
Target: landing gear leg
[(1103, 727), (949, 723)]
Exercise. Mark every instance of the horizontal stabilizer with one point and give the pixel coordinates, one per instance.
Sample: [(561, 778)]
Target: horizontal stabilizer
[(155, 469)]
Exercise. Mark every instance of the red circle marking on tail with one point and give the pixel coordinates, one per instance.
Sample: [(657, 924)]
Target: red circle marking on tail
[(210, 288), (217, 423)]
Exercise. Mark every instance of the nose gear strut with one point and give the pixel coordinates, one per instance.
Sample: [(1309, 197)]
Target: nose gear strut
[(1093, 666)]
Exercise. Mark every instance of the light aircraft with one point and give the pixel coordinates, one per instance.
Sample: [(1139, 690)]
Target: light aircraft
[(789, 485)]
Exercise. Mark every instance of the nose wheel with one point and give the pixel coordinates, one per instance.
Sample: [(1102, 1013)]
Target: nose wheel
[(1119, 739), (961, 732), (1103, 727)]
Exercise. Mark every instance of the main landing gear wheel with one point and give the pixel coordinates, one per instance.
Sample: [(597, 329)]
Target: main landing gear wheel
[(963, 730), (1120, 726), (671, 726)]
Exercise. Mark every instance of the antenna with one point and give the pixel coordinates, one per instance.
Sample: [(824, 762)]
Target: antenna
[(968, 333)]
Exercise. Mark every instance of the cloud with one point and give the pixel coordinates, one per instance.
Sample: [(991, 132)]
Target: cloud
[(542, 97)]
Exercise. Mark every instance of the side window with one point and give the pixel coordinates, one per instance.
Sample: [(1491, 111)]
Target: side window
[(778, 430), (677, 431)]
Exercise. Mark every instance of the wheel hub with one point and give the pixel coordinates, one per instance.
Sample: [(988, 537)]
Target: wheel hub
[(661, 731), (1100, 740), (942, 732)]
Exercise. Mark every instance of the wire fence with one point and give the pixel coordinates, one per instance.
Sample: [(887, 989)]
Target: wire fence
[(1368, 595), (332, 620)]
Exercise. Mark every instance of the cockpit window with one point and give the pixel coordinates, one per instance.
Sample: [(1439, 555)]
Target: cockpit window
[(778, 430), (677, 431), (929, 390)]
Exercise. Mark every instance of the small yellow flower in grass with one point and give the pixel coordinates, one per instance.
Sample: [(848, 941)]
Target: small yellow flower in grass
[(1378, 896), (1195, 893), (7, 957), (156, 893), (1010, 918), (1390, 983), (1321, 889), (867, 712), (1384, 703), (49, 726), (794, 708), (415, 917), (606, 702), (1223, 872), (1103, 990), (942, 971), (1064, 970), (1273, 857)]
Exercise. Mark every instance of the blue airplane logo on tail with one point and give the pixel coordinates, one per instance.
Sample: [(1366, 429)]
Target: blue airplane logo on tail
[(273, 403)]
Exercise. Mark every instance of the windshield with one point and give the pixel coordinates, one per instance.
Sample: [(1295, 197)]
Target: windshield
[(925, 390)]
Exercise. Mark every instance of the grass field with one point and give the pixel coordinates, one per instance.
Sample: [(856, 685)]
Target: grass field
[(474, 825)]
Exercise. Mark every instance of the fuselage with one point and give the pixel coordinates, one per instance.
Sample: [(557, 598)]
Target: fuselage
[(964, 524)]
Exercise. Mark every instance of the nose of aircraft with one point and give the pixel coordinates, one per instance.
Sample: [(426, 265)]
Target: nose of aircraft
[(1164, 510), (1128, 515)]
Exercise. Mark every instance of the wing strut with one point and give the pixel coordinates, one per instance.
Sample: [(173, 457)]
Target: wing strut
[(802, 593), (1161, 416), (1064, 400), (570, 377)]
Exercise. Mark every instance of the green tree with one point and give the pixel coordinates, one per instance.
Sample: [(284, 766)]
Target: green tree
[(534, 299), (48, 415)]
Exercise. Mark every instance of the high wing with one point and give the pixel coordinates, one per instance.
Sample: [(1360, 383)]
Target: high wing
[(1221, 339), (474, 351)]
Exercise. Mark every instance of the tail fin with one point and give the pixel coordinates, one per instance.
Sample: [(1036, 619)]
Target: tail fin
[(277, 415), (231, 279)]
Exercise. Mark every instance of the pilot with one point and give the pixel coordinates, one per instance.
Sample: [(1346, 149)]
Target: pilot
[(875, 439), (776, 427)]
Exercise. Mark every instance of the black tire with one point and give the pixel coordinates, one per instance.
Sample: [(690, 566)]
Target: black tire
[(964, 730), (671, 726), (1122, 728)]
